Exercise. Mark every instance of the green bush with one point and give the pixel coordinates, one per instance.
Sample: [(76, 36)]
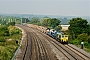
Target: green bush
[(76, 42), (11, 23), (86, 44), (89, 39), (8, 42), (13, 30), (5, 55), (2, 39), (4, 31), (17, 31), (82, 37)]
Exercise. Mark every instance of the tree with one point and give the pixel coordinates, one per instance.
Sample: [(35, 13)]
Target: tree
[(3, 22), (82, 37), (50, 22), (88, 29), (77, 26), (25, 20), (18, 21), (54, 22), (4, 31), (34, 20), (45, 22), (58, 28), (11, 23), (88, 39), (13, 30)]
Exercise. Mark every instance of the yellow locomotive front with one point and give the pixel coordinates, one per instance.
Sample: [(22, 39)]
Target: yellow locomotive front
[(64, 38)]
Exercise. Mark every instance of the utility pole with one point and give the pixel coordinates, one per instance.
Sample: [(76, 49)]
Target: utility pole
[(9, 20), (15, 20), (21, 20), (2, 19), (25, 20)]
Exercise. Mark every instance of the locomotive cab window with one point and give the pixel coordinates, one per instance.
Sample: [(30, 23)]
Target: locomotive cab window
[(66, 36), (62, 36)]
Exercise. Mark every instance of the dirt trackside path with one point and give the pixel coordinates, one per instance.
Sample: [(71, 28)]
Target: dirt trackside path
[(20, 51)]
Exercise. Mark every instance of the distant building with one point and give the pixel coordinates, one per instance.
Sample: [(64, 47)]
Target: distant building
[(64, 27)]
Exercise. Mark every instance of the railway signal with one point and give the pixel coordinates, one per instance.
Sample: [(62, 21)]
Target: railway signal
[(21, 20), (82, 45)]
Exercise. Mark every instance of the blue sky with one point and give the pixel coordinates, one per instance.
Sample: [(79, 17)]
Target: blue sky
[(46, 7)]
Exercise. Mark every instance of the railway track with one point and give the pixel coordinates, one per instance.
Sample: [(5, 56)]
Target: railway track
[(28, 48), (86, 55), (63, 51), (39, 51), (83, 56), (77, 55), (35, 49), (43, 52), (70, 52), (60, 49)]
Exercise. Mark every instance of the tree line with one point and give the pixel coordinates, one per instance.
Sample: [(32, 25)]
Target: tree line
[(52, 23)]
